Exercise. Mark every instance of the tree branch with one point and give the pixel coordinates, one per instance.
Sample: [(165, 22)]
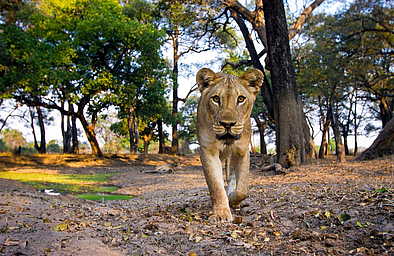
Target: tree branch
[(297, 25), (193, 89)]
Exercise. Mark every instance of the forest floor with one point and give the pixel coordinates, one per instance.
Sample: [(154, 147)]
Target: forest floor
[(324, 208)]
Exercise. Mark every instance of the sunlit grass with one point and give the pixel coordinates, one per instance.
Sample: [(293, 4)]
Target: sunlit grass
[(103, 197), (67, 183)]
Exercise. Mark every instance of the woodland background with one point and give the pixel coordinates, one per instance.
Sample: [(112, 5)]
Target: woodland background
[(113, 68)]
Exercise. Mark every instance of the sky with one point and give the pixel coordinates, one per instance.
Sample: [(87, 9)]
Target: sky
[(189, 66)]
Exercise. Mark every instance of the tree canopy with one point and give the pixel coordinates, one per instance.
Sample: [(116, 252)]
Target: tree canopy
[(91, 59)]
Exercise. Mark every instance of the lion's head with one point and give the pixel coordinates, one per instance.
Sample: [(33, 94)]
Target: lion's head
[(228, 100)]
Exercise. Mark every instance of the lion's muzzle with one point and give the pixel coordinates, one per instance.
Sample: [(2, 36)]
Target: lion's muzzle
[(228, 130)]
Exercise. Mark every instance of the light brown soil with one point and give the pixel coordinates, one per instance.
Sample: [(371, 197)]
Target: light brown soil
[(322, 209)]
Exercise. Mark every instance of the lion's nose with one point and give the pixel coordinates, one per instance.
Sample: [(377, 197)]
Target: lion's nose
[(227, 124)]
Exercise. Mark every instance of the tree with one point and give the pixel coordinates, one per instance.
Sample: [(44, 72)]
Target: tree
[(80, 52), (191, 27), (53, 146), (302, 146), (13, 139), (288, 113), (340, 66), (112, 142), (367, 41), (382, 145)]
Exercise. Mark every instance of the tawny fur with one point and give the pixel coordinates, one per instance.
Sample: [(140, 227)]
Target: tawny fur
[(224, 130)]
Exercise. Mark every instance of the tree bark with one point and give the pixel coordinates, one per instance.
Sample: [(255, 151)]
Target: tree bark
[(66, 141), (146, 147), (290, 141), (386, 107), (324, 141), (133, 132), (345, 144), (91, 136), (33, 130), (339, 147), (161, 136), (175, 99), (41, 123), (382, 145), (74, 131), (355, 126), (261, 126)]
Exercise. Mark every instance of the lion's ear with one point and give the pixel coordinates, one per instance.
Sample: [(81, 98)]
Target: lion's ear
[(254, 77), (204, 77)]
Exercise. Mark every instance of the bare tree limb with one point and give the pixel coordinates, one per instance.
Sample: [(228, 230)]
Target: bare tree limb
[(306, 13), (8, 116), (193, 89)]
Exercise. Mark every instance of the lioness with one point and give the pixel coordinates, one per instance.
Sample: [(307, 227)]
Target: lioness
[(224, 130)]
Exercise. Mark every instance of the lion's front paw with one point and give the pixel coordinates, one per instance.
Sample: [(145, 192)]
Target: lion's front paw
[(236, 198), (222, 214)]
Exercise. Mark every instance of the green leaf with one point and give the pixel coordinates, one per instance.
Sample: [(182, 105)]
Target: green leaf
[(381, 190), (61, 227), (343, 217)]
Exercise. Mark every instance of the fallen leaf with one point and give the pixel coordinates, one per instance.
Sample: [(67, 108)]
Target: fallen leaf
[(323, 227), (234, 234), (61, 227), (46, 220), (237, 220), (343, 217), (198, 239), (11, 242), (277, 233)]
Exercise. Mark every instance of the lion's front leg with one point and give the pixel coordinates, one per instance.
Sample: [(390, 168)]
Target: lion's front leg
[(214, 176), (239, 179)]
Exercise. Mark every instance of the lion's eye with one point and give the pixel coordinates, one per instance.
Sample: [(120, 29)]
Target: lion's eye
[(241, 99), (216, 99)]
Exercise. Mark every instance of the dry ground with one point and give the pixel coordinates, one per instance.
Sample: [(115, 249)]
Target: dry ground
[(324, 208)]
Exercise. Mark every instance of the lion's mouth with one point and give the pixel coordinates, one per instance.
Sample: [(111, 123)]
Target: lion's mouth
[(228, 136)]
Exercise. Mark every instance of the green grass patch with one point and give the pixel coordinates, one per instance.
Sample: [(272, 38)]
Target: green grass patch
[(103, 197), (65, 183)]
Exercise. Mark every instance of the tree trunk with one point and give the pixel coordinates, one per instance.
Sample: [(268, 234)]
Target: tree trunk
[(345, 144), (386, 110), (133, 132), (62, 126), (74, 131), (69, 130), (147, 139), (324, 141), (339, 147), (41, 123), (261, 126), (161, 136), (327, 149), (66, 143), (175, 99), (290, 140), (355, 127), (382, 145), (91, 136), (68, 135), (146, 147), (309, 144), (33, 130)]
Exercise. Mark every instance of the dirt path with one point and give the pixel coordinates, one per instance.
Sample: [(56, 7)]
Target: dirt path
[(320, 209)]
